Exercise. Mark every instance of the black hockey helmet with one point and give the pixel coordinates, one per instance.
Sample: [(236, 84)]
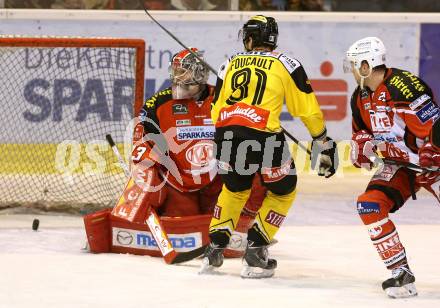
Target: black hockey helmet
[(262, 29)]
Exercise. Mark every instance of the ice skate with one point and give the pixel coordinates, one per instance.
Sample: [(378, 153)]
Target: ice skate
[(212, 259), (256, 263), (401, 284)]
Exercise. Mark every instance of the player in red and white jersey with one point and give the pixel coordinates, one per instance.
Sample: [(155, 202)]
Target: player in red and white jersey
[(174, 169), (175, 134), (393, 114)]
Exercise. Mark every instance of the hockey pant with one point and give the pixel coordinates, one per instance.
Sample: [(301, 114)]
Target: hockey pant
[(280, 181)]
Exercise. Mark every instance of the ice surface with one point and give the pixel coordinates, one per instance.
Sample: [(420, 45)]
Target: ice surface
[(325, 259)]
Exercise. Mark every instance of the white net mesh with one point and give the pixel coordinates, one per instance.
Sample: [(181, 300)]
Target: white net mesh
[(56, 106)]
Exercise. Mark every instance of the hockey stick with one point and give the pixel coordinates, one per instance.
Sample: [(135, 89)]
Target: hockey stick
[(153, 221), (409, 165), (214, 71), (376, 160)]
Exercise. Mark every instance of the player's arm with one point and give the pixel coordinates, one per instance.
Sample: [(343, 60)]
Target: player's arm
[(301, 101), (357, 123), (435, 134), (429, 153), (148, 115), (362, 147), (420, 116), (153, 136)]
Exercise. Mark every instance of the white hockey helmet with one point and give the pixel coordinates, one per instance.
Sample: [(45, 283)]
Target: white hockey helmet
[(369, 49)]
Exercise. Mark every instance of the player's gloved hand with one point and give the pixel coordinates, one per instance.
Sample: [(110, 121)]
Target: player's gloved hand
[(429, 180), (389, 150), (143, 156), (429, 156), (327, 153), (362, 149)]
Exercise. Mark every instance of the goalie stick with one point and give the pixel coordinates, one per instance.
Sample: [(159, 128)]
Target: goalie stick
[(153, 221), (214, 71)]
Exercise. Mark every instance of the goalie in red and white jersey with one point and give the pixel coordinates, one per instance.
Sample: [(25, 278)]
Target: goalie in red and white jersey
[(393, 116), (174, 169), (175, 135)]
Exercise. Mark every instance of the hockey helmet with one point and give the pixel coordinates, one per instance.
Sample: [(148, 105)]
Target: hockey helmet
[(187, 69), (369, 49), (262, 29)]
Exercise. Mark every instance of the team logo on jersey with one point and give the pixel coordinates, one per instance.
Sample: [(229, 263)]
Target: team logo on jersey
[(430, 111), (183, 122), (195, 132), (200, 154), (289, 63), (143, 115), (180, 109), (207, 121), (364, 94), (244, 115), (416, 103)]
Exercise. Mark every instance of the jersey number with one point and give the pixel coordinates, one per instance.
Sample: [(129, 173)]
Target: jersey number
[(240, 82)]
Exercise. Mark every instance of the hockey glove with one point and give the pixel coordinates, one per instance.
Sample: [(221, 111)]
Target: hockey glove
[(429, 181), (362, 149), (429, 156), (389, 150), (327, 153)]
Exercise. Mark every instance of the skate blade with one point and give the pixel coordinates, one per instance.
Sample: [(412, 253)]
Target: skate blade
[(207, 269), (86, 247), (408, 290), (249, 272)]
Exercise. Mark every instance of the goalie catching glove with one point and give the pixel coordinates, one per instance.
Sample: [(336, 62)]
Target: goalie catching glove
[(326, 151)]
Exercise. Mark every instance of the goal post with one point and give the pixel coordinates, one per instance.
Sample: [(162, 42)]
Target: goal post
[(59, 97)]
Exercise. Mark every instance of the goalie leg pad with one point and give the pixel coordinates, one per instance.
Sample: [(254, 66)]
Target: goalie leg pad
[(180, 204), (142, 191), (98, 232)]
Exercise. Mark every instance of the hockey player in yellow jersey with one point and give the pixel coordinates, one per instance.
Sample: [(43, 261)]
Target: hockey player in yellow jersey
[(250, 90)]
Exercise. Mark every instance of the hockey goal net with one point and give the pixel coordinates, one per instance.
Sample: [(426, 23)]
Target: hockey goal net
[(59, 97)]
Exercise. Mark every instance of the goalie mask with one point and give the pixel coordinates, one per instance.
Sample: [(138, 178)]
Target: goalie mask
[(262, 29), (188, 74)]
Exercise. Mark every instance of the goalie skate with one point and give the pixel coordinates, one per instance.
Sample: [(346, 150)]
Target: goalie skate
[(256, 263), (401, 284)]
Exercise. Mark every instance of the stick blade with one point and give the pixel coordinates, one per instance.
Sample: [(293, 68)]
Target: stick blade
[(110, 140), (189, 255)]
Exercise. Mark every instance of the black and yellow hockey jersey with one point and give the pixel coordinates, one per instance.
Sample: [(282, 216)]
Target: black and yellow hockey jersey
[(252, 86)]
